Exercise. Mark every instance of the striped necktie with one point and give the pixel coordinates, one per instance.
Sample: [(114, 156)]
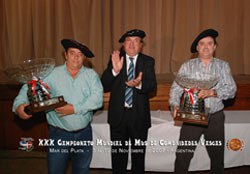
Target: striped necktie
[(129, 90)]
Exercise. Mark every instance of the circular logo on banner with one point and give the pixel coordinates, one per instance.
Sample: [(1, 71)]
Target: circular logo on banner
[(26, 144), (235, 144)]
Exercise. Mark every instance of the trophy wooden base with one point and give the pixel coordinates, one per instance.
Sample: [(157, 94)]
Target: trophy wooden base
[(199, 119), (45, 105)]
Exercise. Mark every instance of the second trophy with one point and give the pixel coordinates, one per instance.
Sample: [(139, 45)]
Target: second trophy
[(192, 108)]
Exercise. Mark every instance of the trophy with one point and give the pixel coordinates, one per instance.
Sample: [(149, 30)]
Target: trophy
[(32, 72), (192, 109)]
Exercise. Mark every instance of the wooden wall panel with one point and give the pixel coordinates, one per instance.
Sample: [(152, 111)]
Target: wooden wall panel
[(160, 100)]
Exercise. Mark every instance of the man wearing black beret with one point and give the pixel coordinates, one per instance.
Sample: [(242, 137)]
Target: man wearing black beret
[(129, 77), (82, 89), (205, 44)]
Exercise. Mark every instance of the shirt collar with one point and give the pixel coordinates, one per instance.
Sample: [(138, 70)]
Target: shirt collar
[(202, 62), (134, 60), (80, 71)]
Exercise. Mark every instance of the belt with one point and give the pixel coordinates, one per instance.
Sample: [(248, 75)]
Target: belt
[(74, 131), (128, 108)]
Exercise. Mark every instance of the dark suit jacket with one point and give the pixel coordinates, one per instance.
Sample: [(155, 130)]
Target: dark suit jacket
[(116, 85)]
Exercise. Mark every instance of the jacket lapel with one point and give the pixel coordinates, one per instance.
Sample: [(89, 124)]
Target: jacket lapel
[(139, 65)]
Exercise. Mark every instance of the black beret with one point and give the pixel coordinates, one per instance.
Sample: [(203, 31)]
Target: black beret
[(209, 32), (70, 43), (134, 32)]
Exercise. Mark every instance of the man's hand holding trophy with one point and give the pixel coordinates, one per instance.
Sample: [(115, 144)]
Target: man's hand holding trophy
[(32, 72)]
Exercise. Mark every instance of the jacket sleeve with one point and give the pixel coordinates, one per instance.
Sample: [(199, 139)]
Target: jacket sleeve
[(149, 83), (108, 78)]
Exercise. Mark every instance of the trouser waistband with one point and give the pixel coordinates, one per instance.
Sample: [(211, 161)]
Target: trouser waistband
[(74, 131)]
